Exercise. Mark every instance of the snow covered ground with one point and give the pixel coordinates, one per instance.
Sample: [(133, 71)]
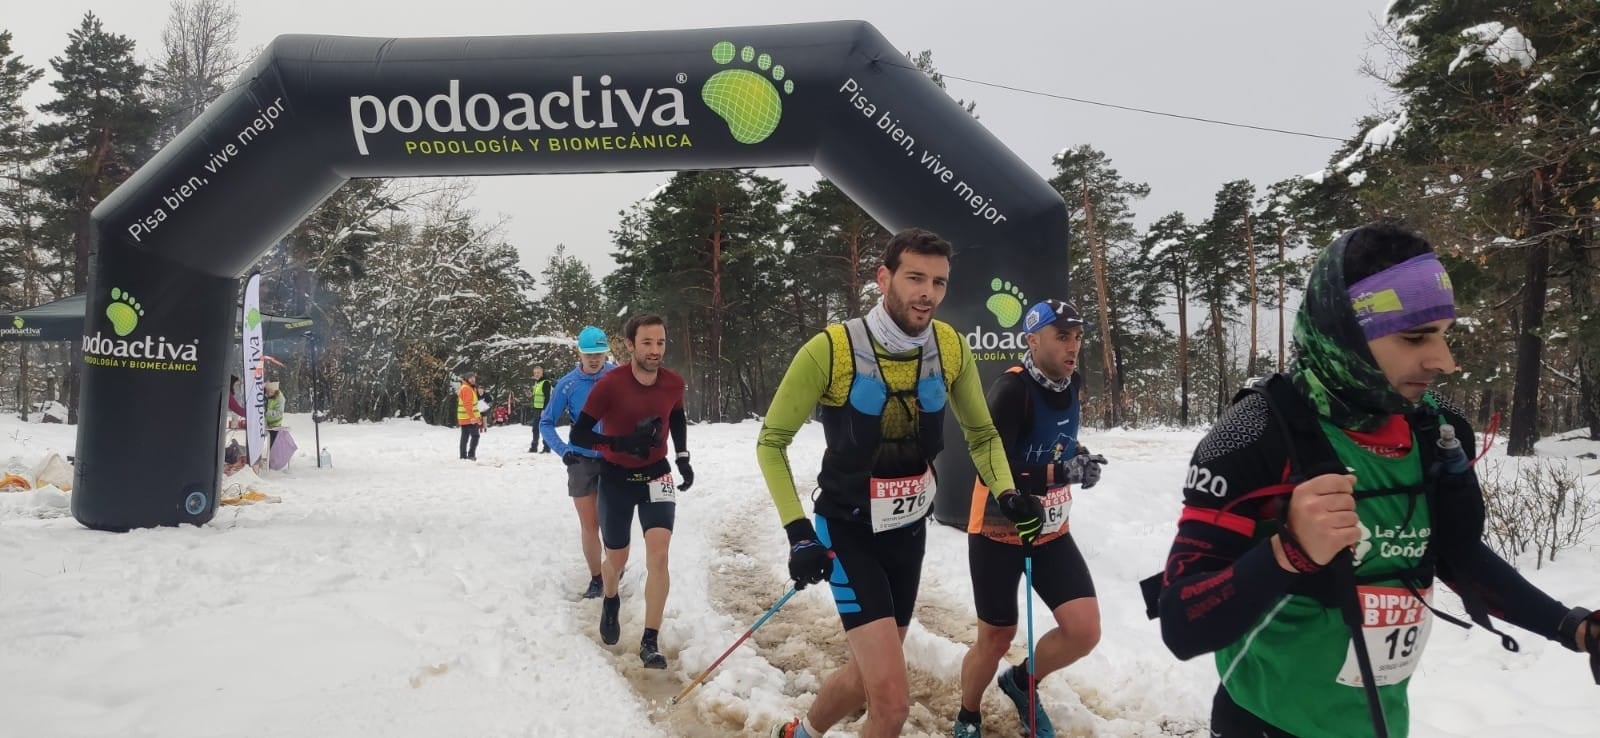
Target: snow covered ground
[(403, 592)]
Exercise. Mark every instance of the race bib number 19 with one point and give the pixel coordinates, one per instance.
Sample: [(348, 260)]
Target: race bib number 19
[(662, 489), (1057, 507), (900, 501), (1395, 626)]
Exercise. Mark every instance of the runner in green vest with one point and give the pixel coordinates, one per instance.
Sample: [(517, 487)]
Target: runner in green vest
[(1258, 573), (541, 396), (884, 383)]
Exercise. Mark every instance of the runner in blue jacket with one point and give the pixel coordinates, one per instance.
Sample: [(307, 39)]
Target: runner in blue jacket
[(583, 464)]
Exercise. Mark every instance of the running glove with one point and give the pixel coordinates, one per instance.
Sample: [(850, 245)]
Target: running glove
[(809, 561), (641, 441), (1083, 469), (1026, 511), (684, 470)]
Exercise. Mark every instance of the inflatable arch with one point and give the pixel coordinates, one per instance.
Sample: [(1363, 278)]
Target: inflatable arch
[(315, 111)]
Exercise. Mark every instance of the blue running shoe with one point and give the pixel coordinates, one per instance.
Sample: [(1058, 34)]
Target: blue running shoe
[(1019, 697), (965, 730)]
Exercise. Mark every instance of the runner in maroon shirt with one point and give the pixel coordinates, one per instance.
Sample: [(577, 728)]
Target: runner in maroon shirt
[(634, 406)]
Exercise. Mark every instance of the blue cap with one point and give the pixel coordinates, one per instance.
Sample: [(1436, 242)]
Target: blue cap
[(1045, 312), (592, 340)]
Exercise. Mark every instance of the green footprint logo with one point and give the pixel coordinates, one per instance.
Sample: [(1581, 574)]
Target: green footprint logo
[(747, 101), (252, 318), (1005, 303), (124, 312), (17, 321)]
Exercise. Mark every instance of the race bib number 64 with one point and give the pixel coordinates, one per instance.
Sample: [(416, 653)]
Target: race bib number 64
[(1394, 625)]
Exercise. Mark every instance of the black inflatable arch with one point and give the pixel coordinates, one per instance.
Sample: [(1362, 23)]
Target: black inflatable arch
[(315, 111)]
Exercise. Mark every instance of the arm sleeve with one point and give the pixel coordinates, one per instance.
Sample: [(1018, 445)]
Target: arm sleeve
[(1220, 578), (798, 394), (553, 408), (983, 441), (583, 432), (1477, 570), (678, 426)]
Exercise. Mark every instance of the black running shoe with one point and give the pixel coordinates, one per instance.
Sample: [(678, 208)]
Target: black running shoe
[(651, 657), (596, 588), (610, 626)]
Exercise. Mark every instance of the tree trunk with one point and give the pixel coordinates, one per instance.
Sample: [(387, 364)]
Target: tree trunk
[(1524, 430), (1586, 338), (1097, 258), (83, 205), (1250, 262), (852, 301), (1222, 357), (1183, 349), (714, 377), (1282, 296)]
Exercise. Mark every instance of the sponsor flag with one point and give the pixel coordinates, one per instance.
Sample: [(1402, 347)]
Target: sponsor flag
[(255, 395)]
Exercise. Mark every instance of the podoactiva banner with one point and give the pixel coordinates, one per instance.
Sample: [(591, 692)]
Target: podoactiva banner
[(255, 370), (315, 111)]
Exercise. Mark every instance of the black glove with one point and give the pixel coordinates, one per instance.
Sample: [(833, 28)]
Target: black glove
[(641, 441), (809, 561), (1568, 631), (1026, 511), (684, 470), (571, 457), (1083, 469)]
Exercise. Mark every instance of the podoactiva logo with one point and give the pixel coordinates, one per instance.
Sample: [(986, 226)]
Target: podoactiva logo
[(587, 115), (150, 353), (1006, 304), (19, 327)]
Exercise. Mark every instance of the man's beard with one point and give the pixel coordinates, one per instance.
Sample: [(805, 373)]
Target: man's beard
[(900, 312)]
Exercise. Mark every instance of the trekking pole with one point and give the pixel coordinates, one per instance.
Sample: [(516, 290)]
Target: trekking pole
[(1027, 594), (768, 614)]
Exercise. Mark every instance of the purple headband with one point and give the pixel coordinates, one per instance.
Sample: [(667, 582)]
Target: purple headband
[(1403, 296)]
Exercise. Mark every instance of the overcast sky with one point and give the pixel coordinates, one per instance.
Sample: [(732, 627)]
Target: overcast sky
[(1292, 65)]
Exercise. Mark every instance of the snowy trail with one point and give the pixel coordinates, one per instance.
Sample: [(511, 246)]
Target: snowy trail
[(405, 593)]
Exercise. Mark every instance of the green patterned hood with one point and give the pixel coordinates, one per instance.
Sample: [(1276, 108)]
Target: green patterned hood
[(1333, 367)]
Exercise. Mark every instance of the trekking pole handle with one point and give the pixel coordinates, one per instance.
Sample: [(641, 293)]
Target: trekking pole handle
[(762, 621)]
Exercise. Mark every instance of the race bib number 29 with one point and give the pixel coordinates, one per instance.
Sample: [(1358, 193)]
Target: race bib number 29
[(1395, 627), (900, 501)]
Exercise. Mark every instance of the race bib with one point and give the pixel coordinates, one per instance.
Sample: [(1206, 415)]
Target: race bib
[(900, 501), (662, 489), (1057, 506), (1395, 626)]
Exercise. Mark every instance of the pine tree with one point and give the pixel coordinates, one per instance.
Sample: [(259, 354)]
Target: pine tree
[(103, 131), (1101, 267), (1168, 253), (572, 297)]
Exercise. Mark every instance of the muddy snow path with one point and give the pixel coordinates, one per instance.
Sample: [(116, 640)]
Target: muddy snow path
[(775, 674)]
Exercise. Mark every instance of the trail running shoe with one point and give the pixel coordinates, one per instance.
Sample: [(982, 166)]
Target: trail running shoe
[(1019, 697), (785, 730), (651, 656), (596, 588), (966, 730), (610, 626)]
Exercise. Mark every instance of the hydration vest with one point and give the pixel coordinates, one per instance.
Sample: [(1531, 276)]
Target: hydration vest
[(882, 416)]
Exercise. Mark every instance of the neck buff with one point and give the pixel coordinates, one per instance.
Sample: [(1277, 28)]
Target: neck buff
[(1044, 381), (1333, 367), (888, 333)]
